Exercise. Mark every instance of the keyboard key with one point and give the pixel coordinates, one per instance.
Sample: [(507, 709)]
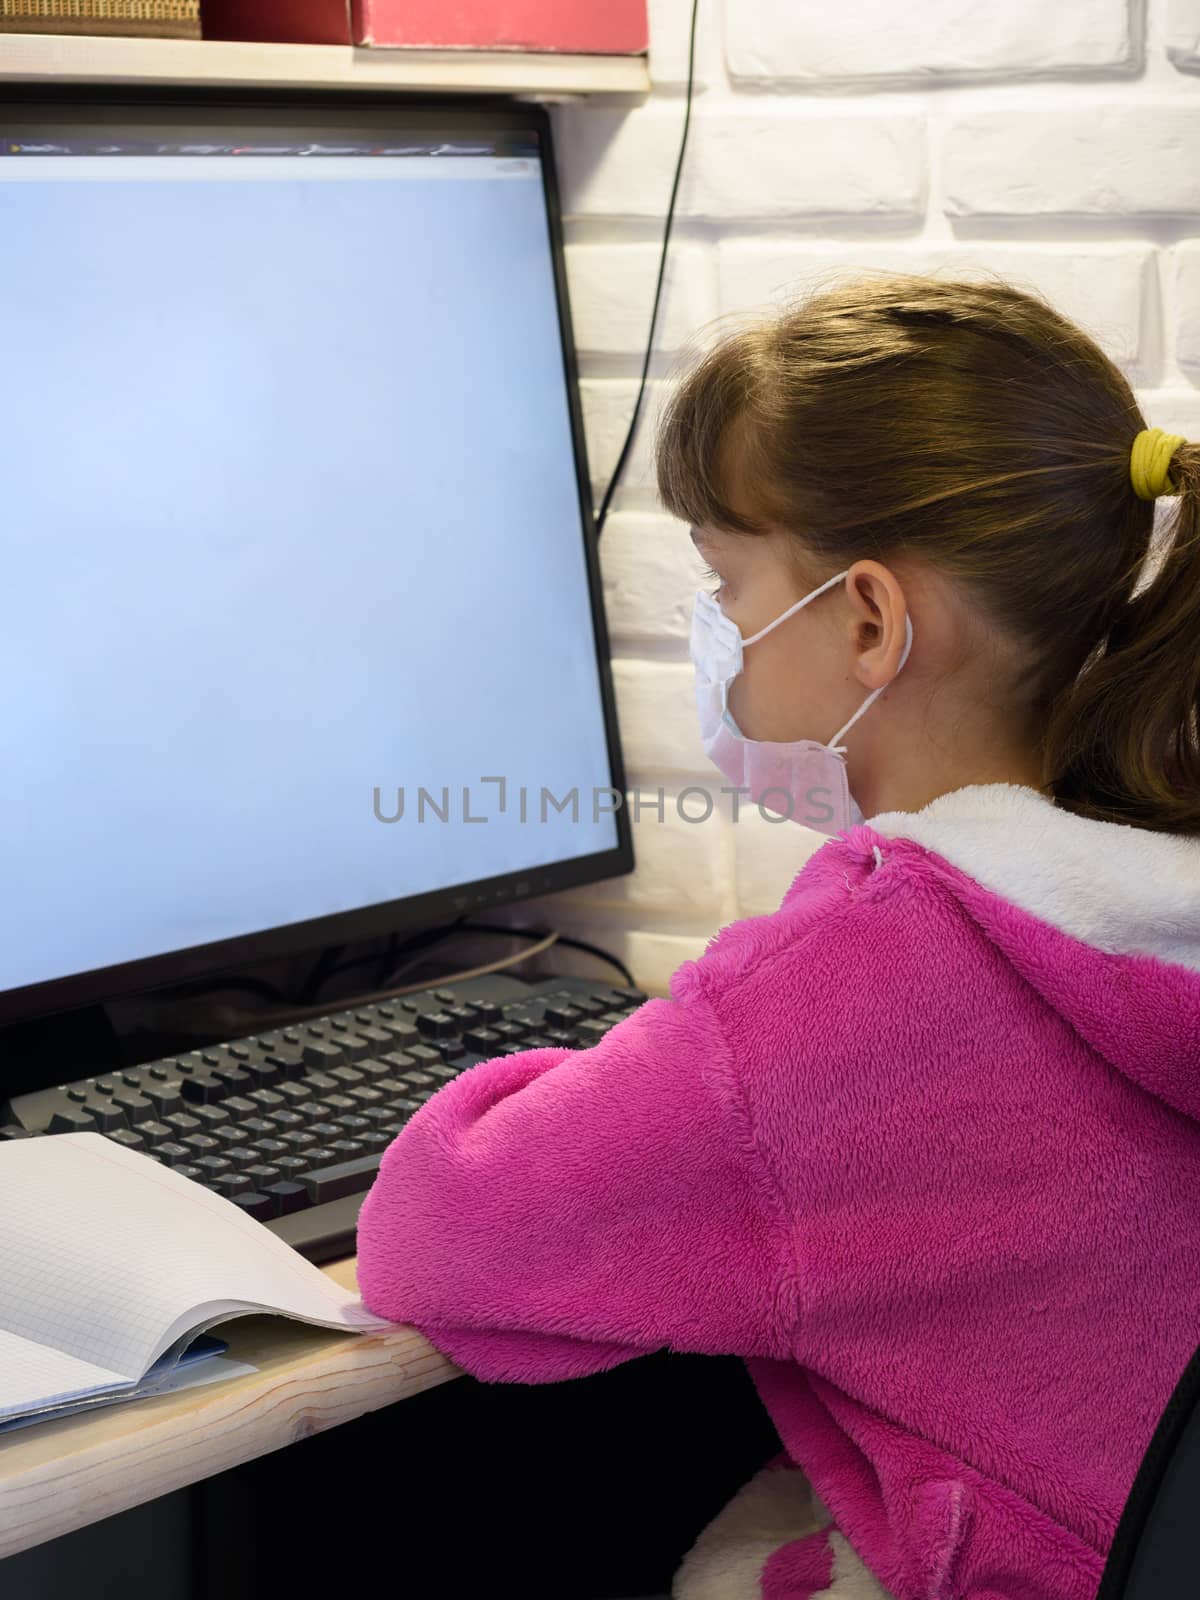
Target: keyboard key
[(292, 1168), (259, 1206), (202, 1088), (135, 1106), (437, 1025), (235, 1078), (186, 1171), (423, 1053), (289, 1059), (72, 1119), (183, 1122), (509, 1030), (127, 1137), (241, 1155), (322, 1053), (261, 1175), (287, 1196), (372, 1068), (386, 1116), (171, 1153), (590, 1006), (202, 1144), (164, 1096), (337, 1103), (268, 1149), (378, 1038), (211, 1118), (366, 1096), (267, 1099), (106, 1115), (348, 1075), (152, 1132), (484, 1041), (397, 1060), (485, 1011), (352, 1123), (295, 1094), (214, 1166), (230, 1184), (345, 1149), (318, 1082), (561, 1016), (298, 1139), (343, 1177), (288, 1119), (257, 1127), (399, 1033), (451, 1049)]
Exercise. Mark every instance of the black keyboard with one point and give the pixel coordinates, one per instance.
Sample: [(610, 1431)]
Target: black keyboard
[(291, 1124)]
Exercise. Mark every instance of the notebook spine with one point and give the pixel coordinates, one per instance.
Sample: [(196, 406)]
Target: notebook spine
[(161, 19)]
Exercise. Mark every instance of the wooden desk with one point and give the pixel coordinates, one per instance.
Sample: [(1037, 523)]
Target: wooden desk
[(57, 1476)]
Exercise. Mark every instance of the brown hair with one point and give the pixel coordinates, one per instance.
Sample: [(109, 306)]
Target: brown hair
[(970, 425)]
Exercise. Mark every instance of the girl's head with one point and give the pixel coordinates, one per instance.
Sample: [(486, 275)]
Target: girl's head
[(964, 451)]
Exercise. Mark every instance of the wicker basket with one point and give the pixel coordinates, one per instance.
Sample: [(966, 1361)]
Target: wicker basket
[(151, 19)]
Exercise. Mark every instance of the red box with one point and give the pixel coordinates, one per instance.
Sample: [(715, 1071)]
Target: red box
[(619, 27)]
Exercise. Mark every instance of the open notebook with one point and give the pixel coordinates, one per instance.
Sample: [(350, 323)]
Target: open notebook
[(111, 1264)]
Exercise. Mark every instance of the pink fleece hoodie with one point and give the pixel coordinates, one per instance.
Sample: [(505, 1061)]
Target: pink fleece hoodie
[(921, 1146)]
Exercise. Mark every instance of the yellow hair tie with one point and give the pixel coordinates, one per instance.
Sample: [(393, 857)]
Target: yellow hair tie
[(1149, 460)]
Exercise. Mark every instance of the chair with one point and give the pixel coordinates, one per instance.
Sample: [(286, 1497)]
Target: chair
[(1155, 1551)]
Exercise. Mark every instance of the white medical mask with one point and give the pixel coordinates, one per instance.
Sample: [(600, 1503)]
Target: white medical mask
[(801, 779)]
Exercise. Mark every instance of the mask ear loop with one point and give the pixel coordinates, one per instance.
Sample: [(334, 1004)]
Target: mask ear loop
[(840, 749), (791, 611)]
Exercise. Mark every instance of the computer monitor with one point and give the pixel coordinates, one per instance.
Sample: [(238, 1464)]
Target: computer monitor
[(301, 634)]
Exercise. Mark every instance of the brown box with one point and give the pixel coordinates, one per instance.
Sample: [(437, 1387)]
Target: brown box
[(150, 19)]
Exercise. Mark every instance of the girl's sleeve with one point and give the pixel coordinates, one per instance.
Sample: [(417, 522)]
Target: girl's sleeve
[(552, 1214)]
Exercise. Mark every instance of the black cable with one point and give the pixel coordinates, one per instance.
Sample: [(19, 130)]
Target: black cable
[(595, 950), (322, 969), (386, 959), (535, 933), (637, 405)]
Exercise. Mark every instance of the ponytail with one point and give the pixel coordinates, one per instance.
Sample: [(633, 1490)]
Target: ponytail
[(1122, 742)]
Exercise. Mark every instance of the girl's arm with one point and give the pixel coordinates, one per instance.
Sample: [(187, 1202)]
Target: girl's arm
[(555, 1213)]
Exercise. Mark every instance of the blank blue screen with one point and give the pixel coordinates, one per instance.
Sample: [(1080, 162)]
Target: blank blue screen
[(290, 513)]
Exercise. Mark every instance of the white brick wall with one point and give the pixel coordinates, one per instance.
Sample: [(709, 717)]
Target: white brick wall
[(1059, 145)]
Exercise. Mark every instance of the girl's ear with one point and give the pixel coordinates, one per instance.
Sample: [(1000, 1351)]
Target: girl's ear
[(878, 611)]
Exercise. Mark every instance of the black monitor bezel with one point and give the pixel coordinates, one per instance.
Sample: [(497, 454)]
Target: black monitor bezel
[(53, 106)]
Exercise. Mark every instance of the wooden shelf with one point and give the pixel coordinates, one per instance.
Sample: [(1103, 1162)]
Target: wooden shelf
[(66, 58)]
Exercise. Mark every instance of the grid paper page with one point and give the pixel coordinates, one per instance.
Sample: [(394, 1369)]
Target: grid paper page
[(216, 1369), (107, 1256), (50, 1373)]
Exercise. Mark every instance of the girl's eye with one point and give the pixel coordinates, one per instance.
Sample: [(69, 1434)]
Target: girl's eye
[(711, 572)]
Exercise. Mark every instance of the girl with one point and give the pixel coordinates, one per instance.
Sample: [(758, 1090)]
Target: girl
[(921, 1146)]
